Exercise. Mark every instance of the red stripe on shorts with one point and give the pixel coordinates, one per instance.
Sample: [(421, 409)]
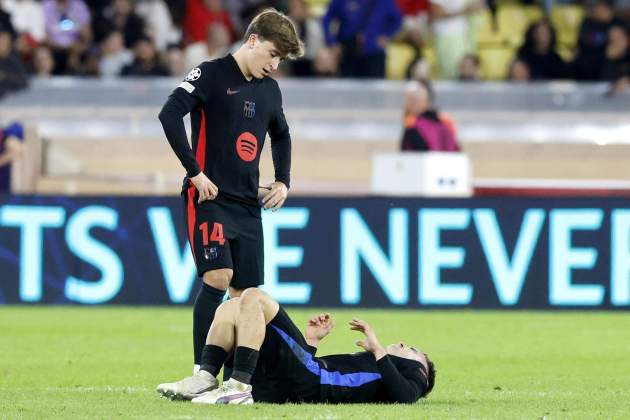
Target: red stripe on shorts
[(192, 216), (201, 160)]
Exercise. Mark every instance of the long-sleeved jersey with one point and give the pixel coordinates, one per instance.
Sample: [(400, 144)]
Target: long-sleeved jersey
[(230, 118), (289, 371)]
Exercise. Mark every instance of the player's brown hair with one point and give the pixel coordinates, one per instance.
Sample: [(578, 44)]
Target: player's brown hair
[(430, 377), (271, 25)]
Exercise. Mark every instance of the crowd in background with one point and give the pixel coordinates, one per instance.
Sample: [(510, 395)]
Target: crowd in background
[(112, 38)]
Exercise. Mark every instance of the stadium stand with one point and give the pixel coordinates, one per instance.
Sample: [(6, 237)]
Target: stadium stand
[(552, 131)]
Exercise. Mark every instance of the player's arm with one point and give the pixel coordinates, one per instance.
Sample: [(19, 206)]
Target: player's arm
[(13, 149), (172, 119), (317, 328), (400, 389), (13, 143), (188, 95), (281, 156)]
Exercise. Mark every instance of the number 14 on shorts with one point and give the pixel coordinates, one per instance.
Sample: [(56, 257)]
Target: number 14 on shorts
[(215, 236)]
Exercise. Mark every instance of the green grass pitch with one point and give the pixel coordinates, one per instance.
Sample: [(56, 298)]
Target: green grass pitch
[(77, 362)]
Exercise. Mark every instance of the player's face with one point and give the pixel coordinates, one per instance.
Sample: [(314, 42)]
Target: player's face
[(264, 58), (403, 350)]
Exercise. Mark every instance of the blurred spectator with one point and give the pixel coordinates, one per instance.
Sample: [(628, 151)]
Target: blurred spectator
[(159, 23), (415, 21), (617, 65), (145, 62), (311, 32), (452, 32), (425, 128), (175, 61), (6, 24), (68, 32), (27, 17), (13, 75), (178, 8), (43, 62), (217, 45), (622, 7), (11, 139), (592, 39), (469, 68), (539, 52), (239, 12), (120, 16), (90, 62), (200, 14), (359, 32), (325, 63), (114, 55), (519, 71)]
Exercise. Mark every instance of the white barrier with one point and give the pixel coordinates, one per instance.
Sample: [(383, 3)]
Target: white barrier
[(426, 174)]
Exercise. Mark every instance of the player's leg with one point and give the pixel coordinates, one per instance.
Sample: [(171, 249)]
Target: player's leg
[(255, 310), (208, 232), (209, 297), (221, 337), (220, 340), (247, 249)]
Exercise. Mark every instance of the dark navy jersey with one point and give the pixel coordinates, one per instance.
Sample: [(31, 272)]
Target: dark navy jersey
[(230, 118), (289, 371)]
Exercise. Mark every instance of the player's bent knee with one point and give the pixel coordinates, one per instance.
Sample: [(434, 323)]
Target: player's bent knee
[(228, 309), (254, 295), (250, 296), (219, 279)]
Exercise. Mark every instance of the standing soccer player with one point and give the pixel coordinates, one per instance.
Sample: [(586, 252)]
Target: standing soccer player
[(233, 104)]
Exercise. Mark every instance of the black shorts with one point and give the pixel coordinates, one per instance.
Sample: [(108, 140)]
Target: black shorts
[(286, 371), (225, 234)]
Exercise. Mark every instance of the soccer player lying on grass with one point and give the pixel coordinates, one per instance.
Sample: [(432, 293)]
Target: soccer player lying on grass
[(274, 362)]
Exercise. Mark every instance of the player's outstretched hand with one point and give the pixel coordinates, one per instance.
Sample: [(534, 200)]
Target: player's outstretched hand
[(207, 189), (276, 196), (370, 342), (318, 327)]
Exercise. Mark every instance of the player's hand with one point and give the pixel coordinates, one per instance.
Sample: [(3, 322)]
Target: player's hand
[(318, 327), (370, 342), (276, 196), (207, 189)]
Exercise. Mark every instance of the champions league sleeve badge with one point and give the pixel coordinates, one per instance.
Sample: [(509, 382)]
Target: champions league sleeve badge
[(193, 75)]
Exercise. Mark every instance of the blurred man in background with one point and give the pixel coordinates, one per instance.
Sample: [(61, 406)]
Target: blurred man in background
[(425, 128), (13, 74), (592, 39), (68, 32), (358, 31), (11, 138)]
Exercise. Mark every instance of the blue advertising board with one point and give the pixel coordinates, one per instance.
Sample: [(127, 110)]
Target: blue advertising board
[(536, 253)]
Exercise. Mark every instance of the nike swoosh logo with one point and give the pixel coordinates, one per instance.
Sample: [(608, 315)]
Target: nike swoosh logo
[(232, 92)]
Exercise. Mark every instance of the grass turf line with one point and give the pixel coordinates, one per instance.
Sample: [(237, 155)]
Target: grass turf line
[(104, 362)]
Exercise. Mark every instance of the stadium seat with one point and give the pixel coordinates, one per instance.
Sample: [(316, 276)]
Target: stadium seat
[(513, 21), (495, 62), (431, 57), (399, 56), (567, 19), (486, 33), (317, 8)]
